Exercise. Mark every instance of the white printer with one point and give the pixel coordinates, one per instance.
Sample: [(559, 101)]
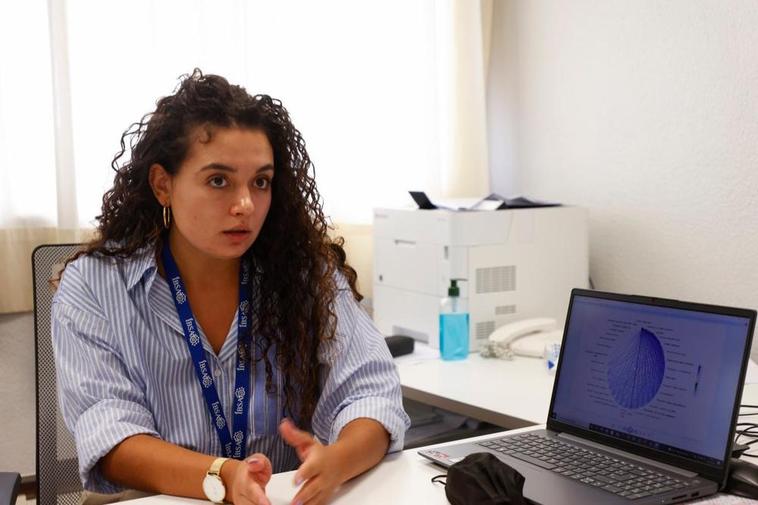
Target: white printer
[(519, 263)]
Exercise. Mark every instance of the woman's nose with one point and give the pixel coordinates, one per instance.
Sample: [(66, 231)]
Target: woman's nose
[(243, 204)]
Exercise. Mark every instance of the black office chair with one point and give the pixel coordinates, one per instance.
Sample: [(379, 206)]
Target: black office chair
[(57, 465)]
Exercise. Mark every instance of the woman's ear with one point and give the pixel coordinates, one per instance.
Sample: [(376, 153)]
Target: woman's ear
[(160, 182)]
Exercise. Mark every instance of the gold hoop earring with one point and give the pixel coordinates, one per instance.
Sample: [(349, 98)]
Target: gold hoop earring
[(167, 217)]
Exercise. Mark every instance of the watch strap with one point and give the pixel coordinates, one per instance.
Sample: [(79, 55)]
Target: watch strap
[(215, 468)]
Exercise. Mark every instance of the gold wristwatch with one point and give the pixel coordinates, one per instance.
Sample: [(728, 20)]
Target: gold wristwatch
[(213, 486)]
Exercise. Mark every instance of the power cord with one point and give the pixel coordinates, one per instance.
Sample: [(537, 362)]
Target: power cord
[(747, 431)]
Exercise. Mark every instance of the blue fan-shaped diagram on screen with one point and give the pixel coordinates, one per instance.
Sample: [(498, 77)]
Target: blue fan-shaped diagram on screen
[(635, 370)]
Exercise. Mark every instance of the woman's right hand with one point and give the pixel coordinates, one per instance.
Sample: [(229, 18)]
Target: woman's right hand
[(250, 477)]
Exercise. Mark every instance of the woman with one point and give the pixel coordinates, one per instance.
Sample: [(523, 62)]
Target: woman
[(212, 315)]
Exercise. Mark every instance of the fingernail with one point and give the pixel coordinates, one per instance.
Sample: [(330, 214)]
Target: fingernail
[(298, 481), (253, 461)]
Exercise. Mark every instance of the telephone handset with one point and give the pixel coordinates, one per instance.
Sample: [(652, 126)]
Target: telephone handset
[(522, 338)]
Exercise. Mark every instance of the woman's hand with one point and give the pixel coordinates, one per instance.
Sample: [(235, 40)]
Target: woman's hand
[(319, 469), (248, 486)]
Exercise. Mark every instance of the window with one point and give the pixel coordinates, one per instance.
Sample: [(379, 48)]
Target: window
[(27, 156), (357, 78)]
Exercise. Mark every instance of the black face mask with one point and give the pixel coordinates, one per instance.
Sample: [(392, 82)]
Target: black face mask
[(482, 479)]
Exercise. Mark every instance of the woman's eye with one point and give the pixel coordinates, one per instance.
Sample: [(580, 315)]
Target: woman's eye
[(217, 181), (262, 183)]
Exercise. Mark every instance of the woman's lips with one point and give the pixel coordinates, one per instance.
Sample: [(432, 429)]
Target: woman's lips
[(237, 234)]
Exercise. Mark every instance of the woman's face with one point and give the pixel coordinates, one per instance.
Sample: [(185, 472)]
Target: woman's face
[(221, 193)]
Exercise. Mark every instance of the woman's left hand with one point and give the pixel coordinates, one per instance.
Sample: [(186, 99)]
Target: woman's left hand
[(320, 469)]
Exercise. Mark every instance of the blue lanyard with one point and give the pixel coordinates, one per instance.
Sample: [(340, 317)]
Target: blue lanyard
[(242, 375)]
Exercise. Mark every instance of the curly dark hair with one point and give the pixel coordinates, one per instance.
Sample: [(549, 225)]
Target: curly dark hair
[(295, 258)]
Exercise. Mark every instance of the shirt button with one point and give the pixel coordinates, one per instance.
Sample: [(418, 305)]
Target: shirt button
[(217, 373)]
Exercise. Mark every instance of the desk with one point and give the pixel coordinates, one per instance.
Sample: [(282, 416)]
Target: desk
[(511, 394), (505, 393), (402, 478)]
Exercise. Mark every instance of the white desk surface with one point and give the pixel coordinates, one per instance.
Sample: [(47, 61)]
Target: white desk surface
[(506, 393), (511, 394), (402, 478), (405, 477)]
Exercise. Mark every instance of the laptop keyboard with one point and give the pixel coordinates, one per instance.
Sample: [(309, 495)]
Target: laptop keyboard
[(601, 470)]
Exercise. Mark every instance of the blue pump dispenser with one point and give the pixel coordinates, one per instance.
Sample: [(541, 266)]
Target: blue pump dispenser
[(454, 322)]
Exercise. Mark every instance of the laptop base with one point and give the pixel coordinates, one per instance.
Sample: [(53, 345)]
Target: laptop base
[(554, 482)]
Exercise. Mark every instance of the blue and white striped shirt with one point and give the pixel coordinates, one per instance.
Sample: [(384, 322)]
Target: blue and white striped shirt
[(124, 368)]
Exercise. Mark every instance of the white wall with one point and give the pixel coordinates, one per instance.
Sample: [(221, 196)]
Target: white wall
[(646, 113)]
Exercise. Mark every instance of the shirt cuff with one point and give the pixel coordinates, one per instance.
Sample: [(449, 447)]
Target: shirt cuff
[(381, 410), (99, 429)]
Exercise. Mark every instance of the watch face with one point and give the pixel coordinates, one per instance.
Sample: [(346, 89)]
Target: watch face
[(213, 488)]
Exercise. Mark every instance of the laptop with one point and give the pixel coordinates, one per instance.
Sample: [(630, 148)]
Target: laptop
[(644, 404)]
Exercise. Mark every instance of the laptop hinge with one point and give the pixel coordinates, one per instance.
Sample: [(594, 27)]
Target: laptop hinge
[(627, 455)]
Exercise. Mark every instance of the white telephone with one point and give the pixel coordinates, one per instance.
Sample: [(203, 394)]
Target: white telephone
[(522, 338)]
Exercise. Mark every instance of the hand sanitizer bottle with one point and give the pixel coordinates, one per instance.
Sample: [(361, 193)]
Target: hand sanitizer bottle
[(453, 324)]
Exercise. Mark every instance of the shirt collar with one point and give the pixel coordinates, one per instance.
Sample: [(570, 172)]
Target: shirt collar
[(142, 264)]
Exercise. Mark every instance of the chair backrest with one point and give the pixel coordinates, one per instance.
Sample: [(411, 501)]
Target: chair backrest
[(57, 465)]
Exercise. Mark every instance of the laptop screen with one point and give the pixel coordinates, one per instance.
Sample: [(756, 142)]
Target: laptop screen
[(659, 377)]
